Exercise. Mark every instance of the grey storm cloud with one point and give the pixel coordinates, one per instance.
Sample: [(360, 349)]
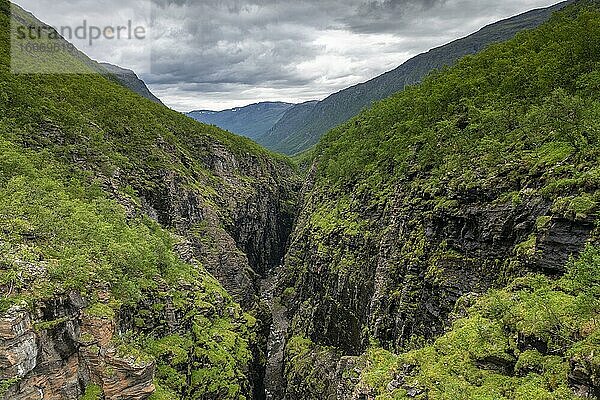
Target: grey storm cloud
[(223, 53), (252, 42), (391, 8)]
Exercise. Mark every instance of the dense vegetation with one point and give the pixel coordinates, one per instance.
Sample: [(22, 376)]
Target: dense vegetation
[(60, 218), (76, 151), (512, 111)]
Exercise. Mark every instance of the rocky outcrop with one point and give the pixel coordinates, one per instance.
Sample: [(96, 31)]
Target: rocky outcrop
[(349, 385), (124, 377), (64, 351), (584, 376), (469, 249), (237, 222), (405, 281), (18, 344), (129, 79)]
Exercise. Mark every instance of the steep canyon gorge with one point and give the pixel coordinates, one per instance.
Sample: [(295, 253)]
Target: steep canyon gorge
[(441, 244)]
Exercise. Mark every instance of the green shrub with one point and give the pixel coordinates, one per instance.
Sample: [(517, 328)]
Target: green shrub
[(92, 392)]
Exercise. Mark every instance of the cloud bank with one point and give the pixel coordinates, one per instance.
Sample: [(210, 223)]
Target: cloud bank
[(217, 54)]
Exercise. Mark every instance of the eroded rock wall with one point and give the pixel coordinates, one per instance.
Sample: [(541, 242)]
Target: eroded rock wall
[(57, 350)]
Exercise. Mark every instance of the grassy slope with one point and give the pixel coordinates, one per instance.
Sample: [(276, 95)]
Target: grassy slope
[(519, 118), (532, 101), (61, 139)]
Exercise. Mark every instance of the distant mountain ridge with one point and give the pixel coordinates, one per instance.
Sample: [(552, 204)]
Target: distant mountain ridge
[(251, 121), (302, 127)]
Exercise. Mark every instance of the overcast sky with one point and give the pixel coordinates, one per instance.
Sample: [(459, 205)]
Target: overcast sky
[(217, 54)]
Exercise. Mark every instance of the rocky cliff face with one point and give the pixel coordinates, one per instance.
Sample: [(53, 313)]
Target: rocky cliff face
[(399, 286), (65, 351), (241, 240), (237, 221)]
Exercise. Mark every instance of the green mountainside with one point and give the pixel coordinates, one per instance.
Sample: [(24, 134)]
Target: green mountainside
[(485, 177), (112, 211), (300, 129)]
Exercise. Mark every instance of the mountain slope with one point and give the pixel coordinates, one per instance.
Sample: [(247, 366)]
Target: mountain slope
[(116, 216), (293, 117), (250, 121), (292, 134), (475, 188), (130, 80)]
